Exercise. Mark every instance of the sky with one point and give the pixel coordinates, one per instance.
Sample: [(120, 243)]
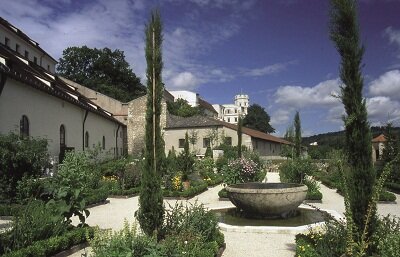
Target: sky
[(276, 51)]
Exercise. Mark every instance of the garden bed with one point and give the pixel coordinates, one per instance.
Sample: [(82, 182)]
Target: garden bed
[(393, 187), (54, 245), (186, 194), (127, 193)]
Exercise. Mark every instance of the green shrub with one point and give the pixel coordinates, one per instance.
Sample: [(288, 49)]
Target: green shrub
[(70, 187), (10, 209), (126, 192), (394, 187), (54, 245), (95, 196), (194, 189), (20, 156), (242, 170), (34, 222), (208, 153), (187, 231), (387, 196), (223, 193), (390, 245), (304, 247), (294, 171), (313, 192)]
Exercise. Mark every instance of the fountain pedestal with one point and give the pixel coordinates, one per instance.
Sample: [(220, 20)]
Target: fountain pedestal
[(267, 200)]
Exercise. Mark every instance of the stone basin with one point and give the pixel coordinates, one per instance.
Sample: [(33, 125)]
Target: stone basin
[(271, 200)]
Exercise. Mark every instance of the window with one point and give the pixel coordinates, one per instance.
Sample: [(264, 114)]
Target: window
[(235, 110), (35, 59), (7, 41), (62, 135), (87, 139), (229, 119), (235, 119), (17, 48), (206, 142), (48, 67), (181, 143), (104, 142), (26, 54), (228, 140), (24, 126)]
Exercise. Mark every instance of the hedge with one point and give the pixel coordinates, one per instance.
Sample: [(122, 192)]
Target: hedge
[(9, 210), (216, 181), (314, 195), (394, 187), (223, 193), (54, 245), (192, 191), (126, 192), (96, 196)]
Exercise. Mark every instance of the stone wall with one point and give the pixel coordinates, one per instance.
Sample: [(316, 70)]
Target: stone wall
[(137, 121)]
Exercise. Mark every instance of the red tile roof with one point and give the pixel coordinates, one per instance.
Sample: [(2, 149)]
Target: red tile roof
[(380, 138)]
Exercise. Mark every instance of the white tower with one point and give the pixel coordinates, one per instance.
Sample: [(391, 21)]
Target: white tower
[(242, 102)]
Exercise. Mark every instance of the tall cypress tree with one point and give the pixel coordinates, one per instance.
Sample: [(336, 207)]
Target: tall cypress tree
[(344, 32), (151, 209), (239, 134), (297, 135)]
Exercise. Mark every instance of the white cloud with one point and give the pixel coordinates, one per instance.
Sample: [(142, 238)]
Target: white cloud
[(382, 109), (184, 80), (394, 36), (387, 84), (266, 70), (316, 96), (280, 116)]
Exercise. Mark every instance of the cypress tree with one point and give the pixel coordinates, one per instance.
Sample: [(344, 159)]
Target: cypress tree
[(344, 32), (239, 134), (297, 135), (151, 209)]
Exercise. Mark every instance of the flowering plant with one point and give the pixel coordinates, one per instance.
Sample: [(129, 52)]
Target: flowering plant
[(241, 170)]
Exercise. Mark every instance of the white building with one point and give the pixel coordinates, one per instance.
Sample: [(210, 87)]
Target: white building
[(230, 112), (35, 102), (195, 100)]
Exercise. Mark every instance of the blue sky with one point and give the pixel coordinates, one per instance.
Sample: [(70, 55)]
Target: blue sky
[(276, 51)]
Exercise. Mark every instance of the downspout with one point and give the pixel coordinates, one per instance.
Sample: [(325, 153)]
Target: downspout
[(116, 140), (83, 130)]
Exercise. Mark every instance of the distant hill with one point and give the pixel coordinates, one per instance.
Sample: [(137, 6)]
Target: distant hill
[(337, 139)]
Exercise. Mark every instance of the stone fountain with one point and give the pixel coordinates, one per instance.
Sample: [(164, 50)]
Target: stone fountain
[(267, 200)]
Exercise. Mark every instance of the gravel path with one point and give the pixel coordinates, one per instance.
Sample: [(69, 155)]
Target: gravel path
[(239, 244)]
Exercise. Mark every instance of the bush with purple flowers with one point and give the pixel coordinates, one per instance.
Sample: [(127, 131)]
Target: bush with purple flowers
[(242, 170)]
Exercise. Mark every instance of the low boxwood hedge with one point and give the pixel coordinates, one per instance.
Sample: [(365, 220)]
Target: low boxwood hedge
[(194, 189), (213, 182), (386, 196), (394, 187), (96, 196), (223, 193), (54, 245), (126, 192), (9, 209), (315, 195)]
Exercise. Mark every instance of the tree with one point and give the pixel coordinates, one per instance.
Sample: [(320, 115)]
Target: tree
[(213, 136), (344, 32), (297, 135), (186, 160), (390, 150), (287, 150), (151, 209), (257, 118), (193, 138), (182, 108), (103, 70), (239, 134)]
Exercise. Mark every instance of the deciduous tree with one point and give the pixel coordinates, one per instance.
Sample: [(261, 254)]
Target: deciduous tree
[(103, 70), (257, 118)]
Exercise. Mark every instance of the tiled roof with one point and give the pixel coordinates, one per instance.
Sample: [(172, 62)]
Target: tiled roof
[(23, 36), (174, 122), (35, 76), (206, 105), (380, 138)]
